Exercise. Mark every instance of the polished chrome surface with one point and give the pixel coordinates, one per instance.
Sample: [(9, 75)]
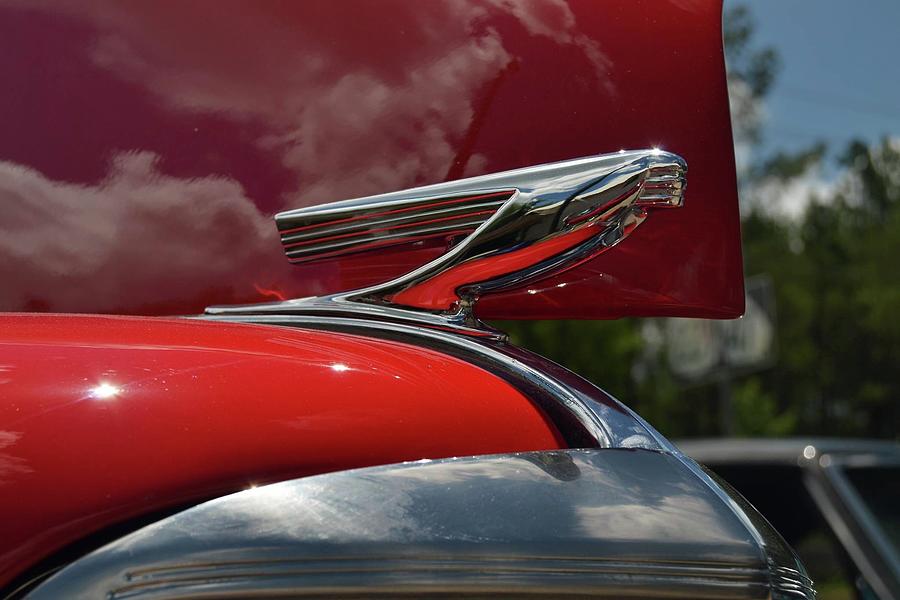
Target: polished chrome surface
[(525, 224), (333, 230), (516, 208), (788, 577), (603, 523), (461, 320), (586, 415)]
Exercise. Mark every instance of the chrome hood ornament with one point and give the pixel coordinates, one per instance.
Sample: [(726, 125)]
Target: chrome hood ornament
[(509, 228)]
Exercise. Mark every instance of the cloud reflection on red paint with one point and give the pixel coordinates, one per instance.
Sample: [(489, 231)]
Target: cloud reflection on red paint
[(272, 292)]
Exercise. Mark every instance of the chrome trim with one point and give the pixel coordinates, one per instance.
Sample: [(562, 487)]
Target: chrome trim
[(558, 523), (462, 320), (788, 577), (548, 219), (327, 232)]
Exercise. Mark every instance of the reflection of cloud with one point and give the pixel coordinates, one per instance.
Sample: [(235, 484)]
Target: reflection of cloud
[(678, 518), (148, 235), (331, 135), (344, 108), (347, 119), (344, 126), (613, 504), (279, 512), (9, 464), (548, 18), (691, 5), (554, 19)]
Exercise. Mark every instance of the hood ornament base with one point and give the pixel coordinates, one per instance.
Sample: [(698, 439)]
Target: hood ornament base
[(519, 226)]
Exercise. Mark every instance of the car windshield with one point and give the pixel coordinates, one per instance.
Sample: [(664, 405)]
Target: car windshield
[(879, 488)]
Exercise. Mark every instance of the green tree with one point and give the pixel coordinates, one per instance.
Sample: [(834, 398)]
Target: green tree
[(838, 290)]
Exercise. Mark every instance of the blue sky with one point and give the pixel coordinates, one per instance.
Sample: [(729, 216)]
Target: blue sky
[(840, 75)]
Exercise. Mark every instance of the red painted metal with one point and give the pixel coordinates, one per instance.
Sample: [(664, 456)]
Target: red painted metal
[(145, 145), (106, 418)]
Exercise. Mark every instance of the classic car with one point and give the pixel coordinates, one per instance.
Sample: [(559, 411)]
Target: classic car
[(838, 504), (349, 424)]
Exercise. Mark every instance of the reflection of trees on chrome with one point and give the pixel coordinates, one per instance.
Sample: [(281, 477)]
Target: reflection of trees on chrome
[(556, 464)]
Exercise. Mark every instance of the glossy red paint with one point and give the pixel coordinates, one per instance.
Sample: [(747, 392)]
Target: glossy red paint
[(145, 145), (106, 418)]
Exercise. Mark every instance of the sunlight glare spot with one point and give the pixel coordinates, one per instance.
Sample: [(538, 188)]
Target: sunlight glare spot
[(105, 391)]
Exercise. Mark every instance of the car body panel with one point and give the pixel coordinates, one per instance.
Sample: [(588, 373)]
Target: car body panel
[(146, 145), (107, 418)]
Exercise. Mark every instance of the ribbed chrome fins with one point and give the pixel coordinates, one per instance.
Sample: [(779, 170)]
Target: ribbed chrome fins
[(337, 229), (456, 209), (501, 231)]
